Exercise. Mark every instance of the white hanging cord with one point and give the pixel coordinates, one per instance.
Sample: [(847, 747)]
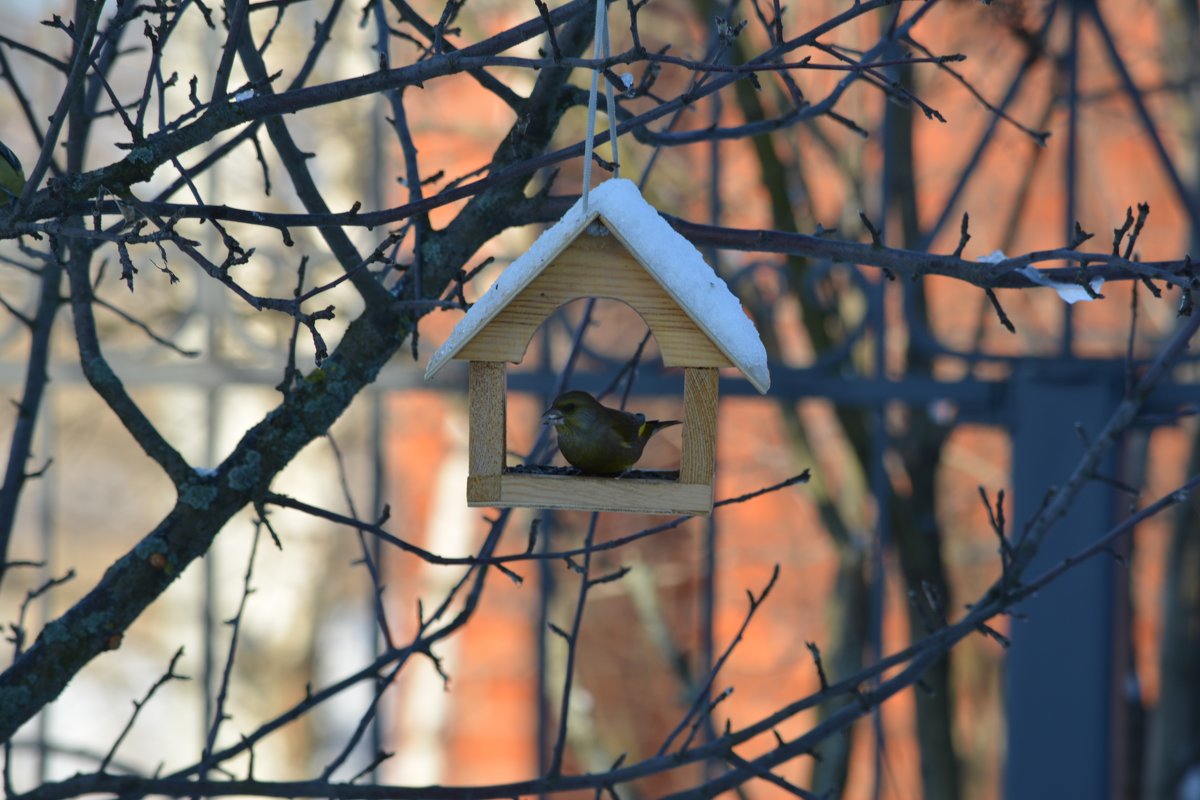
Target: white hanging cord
[(611, 103), (600, 49)]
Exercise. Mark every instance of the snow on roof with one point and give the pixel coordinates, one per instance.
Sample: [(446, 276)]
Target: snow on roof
[(667, 255)]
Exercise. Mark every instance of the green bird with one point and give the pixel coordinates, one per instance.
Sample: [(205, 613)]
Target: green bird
[(596, 439), (12, 176)]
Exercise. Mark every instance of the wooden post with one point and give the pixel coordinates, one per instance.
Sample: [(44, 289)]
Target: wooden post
[(487, 387), (699, 458)]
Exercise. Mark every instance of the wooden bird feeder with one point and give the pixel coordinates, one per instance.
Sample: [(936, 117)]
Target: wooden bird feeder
[(620, 248)]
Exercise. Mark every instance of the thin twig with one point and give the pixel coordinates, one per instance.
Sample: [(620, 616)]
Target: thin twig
[(138, 705)]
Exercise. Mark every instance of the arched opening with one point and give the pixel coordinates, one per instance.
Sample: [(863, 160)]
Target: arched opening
[(618, 357)]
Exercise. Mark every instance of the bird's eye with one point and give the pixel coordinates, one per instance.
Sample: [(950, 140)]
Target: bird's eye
[(569, 407)]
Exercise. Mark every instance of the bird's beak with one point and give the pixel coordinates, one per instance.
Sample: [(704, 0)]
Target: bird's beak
[(552, 417)]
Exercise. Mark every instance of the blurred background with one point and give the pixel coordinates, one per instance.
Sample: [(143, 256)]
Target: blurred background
[(903, 397)]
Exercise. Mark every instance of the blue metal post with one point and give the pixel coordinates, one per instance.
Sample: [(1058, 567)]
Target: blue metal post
[(1061, 667)]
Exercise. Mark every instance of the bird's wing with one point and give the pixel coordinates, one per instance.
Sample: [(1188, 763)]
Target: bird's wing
[(11, 158), (624, 425)]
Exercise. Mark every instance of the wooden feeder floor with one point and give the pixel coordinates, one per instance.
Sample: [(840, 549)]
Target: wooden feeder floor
[(633, 474)]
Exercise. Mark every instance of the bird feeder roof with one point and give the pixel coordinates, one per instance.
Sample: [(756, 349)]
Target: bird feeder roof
[(667, 256)]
